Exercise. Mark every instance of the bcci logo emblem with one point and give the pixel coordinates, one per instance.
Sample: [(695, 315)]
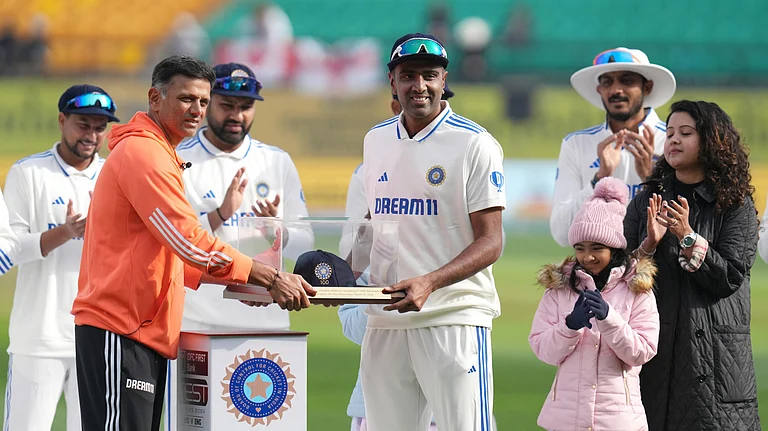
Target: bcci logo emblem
[(262, 189), (497, 179), (258, 387), (323, 272), (436, 175), (239, 73)]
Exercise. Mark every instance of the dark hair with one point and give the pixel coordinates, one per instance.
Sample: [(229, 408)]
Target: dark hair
[(721, 151), (186, 65), (619, 257)]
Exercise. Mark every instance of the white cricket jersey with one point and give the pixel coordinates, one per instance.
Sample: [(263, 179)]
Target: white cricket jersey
[(9, 244), (270, 172), (357, 205), (38, 189), (578, 163), (356, 208), (430, 184)]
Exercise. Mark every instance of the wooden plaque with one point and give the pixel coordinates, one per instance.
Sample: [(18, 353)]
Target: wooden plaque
[(325, 295)]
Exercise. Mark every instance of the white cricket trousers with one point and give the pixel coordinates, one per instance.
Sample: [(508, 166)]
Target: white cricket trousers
[(444, 370), (33, 390)]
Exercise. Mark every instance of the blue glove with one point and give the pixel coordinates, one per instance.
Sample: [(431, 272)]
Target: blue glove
[(580, 315), (594, 300)]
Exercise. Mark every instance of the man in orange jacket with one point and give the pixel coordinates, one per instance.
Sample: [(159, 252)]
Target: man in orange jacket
[(143, 244)]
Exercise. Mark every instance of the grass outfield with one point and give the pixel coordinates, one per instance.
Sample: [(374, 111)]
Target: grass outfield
[(521, 381)]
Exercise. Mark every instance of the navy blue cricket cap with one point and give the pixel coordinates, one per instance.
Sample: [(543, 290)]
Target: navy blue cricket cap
[(87, 99), (405, 49), (321, 268), (236, 80)]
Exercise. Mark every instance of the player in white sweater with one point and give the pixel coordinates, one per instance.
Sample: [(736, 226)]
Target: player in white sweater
[(628, 87), (48, 195)]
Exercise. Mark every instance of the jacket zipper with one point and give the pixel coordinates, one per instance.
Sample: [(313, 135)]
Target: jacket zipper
[(626, 385), (554, 385)]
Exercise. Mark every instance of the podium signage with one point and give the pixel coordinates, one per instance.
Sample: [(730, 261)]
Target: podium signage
[(239, 380)]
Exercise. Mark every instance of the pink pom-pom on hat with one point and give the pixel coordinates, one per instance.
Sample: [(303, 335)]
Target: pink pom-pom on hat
[(601, 217)]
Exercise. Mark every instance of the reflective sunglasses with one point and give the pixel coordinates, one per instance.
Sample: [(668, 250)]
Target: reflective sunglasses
[(238, 83), (419, 46), (614, 56), (92, 100)]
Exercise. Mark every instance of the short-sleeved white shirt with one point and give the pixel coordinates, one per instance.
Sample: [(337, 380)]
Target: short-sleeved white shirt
[(430, 184), (270, 171)]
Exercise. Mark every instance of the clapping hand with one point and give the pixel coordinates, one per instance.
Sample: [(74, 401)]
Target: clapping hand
[(266, 208), (656, 227), (580, 316), (642, 148), (675, 216), (594, 300)]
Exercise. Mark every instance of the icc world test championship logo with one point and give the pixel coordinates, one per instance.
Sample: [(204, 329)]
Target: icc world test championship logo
[(258, 387)]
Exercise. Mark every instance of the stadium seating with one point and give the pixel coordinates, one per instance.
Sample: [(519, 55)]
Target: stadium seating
[(701, 39), (100, 35), (710, 37)]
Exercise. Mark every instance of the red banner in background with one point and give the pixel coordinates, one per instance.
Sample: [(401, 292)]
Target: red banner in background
[(343, 69)]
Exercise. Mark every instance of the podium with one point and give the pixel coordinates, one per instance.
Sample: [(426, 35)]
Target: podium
[(242, 380), (250, 379)]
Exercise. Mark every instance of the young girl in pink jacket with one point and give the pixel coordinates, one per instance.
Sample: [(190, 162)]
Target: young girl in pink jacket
[(597, 322)]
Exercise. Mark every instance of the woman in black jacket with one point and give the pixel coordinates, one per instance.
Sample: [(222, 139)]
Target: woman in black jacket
[(697, 218)]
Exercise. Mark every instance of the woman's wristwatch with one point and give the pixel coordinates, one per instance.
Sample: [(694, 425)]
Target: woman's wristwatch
[(689, 240)]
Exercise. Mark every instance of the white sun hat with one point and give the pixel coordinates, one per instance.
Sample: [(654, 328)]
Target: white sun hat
[(585, 81)]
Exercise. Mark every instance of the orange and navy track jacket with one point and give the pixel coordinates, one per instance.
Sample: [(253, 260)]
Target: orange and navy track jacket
[(144, 243)]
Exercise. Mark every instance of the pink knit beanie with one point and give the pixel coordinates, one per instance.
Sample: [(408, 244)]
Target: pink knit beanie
[(601, 217)]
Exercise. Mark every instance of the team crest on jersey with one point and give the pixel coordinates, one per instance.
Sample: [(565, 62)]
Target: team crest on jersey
[(258, 387), (497, 179), (262, 189), (436, 175), (323, 272)]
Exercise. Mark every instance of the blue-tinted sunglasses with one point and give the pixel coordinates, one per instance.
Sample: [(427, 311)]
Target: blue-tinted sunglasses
[(92, 100), (614, 56), (238, 83), (419, 46)]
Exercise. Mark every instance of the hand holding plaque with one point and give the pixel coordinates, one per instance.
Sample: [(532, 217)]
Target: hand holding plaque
[(328, 275)]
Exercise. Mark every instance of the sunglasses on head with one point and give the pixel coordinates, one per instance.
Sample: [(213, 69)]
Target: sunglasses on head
[(92, 100), (614, 56), (419, 46), (238, 83)]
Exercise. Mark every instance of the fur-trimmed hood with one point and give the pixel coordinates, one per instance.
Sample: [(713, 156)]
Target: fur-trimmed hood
[(640, 278)]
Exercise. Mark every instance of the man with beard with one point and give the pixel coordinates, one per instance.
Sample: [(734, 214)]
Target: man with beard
[(234, 175), (48, 196), (628, 87), (439, 175)]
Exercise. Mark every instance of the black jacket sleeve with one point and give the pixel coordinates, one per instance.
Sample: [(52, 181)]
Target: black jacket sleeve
[(729, 260), (633, 220)]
